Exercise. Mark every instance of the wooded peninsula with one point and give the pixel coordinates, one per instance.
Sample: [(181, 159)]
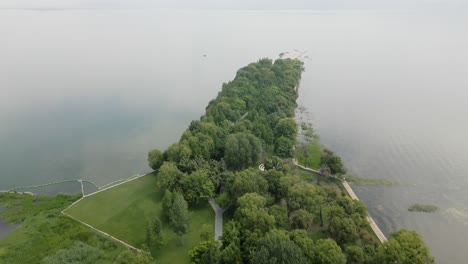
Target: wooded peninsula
[(240, 155)]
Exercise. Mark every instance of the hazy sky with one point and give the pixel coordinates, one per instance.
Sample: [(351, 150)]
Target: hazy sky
[(235, 4)]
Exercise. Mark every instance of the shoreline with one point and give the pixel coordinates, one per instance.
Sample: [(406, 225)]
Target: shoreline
[(295, 54)]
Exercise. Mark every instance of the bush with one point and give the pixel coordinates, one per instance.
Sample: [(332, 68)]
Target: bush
[(79, 253), (426, 208)]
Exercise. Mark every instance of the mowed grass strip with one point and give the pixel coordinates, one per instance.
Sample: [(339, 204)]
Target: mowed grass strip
[(123, 211)]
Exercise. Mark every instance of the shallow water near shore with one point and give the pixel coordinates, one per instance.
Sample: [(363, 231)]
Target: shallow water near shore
[(86, 93), (5, 228)]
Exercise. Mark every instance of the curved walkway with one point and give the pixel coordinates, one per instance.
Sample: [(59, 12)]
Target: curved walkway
[(218, 218), (380, 235)]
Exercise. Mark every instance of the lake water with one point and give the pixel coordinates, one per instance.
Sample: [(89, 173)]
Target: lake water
[(84, 94)]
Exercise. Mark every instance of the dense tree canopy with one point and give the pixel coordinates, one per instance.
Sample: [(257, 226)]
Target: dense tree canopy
[(169, 176), (197, 186), (251, 213), (404, 247), (328, 252), (278, 249), (242, 150)]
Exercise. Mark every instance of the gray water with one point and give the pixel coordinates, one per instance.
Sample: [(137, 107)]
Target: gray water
[(86, 93)]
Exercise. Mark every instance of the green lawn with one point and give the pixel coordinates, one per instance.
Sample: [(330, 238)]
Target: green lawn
[(123, 211)]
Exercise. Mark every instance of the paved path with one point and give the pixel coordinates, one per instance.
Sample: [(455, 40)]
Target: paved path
[(380, 235), (371, 221), (218, 218), (127, 245)]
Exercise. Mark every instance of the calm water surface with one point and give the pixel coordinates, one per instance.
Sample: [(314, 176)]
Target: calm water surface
[(85, 94)]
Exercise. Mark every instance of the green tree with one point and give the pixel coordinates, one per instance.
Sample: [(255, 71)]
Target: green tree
[(273, 178), (206, 232), (277, 249), (242, 150), (280, 213), (231, 233), (155, 159), (330, 160), (128, 257), (231, 254), (328, 252), (197, 186), (169, 176), (286, 127), (79, 252), (354, 255), (179, 214), (206, 252), (201, 145), (251, 213), (284, 147), (343, 230), (405, 247), (301, 219), (247, 181), (305, 196), (302, 239), (167, 202), (154, 236)]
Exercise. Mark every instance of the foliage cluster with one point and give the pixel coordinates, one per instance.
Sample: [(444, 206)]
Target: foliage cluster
[(250, 118), (45, 236), (426, 208)]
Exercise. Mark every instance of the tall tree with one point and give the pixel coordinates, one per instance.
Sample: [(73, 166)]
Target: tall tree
[(284, 147), (207, 252), (286, 127), (280, 213), (155, 159), (154, 236), (343, 230), (330, 160), (242, 150), (197, 186), (354, 255), (301, 219), (167, 201), (305, 196), (179, 214), (404, 247), (278, 249), (169, 176), (247, 181), (328, 252), (251, 213)]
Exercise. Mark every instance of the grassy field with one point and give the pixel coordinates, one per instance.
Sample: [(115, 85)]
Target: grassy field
[(123, 211), (43, 231)]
